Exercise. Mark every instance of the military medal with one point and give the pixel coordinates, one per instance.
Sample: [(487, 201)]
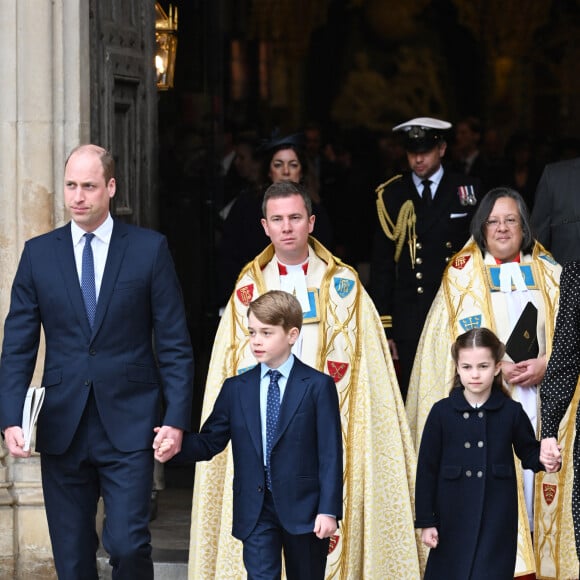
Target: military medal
[(467, 195)]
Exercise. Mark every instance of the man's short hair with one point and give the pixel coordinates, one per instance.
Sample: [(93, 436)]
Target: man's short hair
[(282, 189), (277, 308), (105, 156)]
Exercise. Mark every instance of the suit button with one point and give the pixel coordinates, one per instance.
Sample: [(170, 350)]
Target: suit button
[(419, 276), (466, 415), (419, 246), (468, 473), (467, 445), (420, 290), (480, 474), (92, 352), (260, 489), (480, 414), (447, 259), (419, 261), (480, 443), (448, 245)]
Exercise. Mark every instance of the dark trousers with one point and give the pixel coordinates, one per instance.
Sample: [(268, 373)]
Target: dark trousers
[(72, 483), (406, 350), (304, 554)]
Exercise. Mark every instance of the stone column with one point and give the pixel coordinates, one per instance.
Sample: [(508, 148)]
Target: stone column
[(44, 113)]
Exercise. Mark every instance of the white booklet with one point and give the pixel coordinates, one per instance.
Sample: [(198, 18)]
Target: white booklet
[(32, 405)]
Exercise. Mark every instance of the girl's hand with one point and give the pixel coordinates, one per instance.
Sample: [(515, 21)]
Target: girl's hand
[(430, 537)]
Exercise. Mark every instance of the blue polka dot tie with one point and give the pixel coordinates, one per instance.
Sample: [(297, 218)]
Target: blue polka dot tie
[(88, 288), (272, 413)]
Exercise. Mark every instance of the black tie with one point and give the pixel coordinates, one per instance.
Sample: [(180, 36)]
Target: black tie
[(427, 196)]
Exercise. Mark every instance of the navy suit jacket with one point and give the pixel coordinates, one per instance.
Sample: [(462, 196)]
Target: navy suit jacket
[(306, 459), (556, 214), (137, 354)]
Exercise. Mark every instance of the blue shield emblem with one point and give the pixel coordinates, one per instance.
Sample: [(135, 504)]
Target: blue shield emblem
[(470, 322), (343, 286)]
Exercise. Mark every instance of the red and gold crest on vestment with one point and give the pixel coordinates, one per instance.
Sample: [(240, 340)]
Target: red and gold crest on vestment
[(549, 490), (336, 369), (460, 262), (245, 294), (333, 543)]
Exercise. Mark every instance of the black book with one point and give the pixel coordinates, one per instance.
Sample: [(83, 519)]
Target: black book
[(523, 341)]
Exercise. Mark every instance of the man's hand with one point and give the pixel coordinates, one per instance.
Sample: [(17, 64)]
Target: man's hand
[(14, 440), (324, 526), (393, 349), (171, 437)]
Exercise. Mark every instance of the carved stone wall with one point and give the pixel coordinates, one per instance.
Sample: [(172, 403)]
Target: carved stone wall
[(44, 112)]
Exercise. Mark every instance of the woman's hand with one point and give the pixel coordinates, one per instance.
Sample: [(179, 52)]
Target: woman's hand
[(526, 373)]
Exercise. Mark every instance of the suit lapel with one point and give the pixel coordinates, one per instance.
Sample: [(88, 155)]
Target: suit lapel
[(249, 394), (295, 390), (66, 261), (117, 248)]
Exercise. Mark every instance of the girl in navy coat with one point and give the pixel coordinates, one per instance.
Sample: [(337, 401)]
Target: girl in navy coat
[(466, 495)]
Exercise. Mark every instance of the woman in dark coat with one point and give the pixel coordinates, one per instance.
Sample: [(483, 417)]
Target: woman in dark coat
[(559, 391), (466, 492)]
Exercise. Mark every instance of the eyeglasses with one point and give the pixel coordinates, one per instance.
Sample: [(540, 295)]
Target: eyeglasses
[(509, 222)]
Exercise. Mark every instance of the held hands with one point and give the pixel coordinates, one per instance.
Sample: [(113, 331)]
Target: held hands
[(550, 454), (14, 440), (430, 537), (167, 442), (324, 526), (525, 373)]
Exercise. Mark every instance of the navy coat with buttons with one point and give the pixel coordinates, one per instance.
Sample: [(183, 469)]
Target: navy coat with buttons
[(466, 485)]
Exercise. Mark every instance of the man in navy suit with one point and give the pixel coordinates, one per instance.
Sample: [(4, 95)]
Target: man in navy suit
[(287, 491), (107, 369), (556, 214)]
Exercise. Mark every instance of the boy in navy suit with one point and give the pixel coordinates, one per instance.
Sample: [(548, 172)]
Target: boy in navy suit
[(283, 420)]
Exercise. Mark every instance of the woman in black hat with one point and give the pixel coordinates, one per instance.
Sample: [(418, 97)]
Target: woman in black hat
[(283, 159)]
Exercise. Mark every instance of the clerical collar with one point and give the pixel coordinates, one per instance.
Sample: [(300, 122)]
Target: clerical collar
[(499, 262), (283, 268)]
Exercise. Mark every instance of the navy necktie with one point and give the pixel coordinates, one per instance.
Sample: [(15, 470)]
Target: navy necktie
[(272, 413), (88, 287), (427, 195)]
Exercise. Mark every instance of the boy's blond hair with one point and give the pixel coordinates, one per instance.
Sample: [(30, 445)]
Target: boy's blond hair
[(277, 308)]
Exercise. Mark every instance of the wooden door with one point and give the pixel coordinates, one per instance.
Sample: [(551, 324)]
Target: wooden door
[(124, 102)]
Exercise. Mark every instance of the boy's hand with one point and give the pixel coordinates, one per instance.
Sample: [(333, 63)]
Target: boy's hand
[(324, 526), (430, 537), (167, 442)]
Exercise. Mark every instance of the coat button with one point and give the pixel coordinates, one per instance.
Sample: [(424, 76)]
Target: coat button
[(466, 415), (420, 290), (260, 489), (480, 444), (480, 414), (467, 445), (419, 246), (447, 259), (480, 474), (448, 245), (419, 261), (468, 473), (419, 275)]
